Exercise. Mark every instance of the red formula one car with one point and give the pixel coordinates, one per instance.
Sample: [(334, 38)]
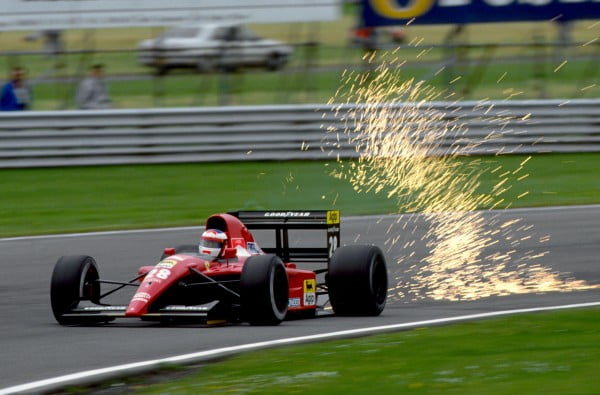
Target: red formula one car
[(229, 278)]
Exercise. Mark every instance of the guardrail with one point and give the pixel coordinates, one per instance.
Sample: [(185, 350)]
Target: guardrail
[(286, 132)]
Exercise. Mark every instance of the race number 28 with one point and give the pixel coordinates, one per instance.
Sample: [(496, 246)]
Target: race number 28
[(333, 242), (162, 274)]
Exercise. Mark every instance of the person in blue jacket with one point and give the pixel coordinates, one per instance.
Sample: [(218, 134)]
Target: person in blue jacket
[(15, 94)]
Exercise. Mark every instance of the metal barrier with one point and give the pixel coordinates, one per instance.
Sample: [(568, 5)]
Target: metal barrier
[(286, 132)]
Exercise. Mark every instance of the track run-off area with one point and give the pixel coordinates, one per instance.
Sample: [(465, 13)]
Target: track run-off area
[(39, 354)]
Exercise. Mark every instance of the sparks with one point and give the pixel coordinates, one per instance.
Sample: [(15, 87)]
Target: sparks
[(560, 66), (407, 149)]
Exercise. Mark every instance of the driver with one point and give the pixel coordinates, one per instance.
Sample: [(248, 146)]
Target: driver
[(212, 243)]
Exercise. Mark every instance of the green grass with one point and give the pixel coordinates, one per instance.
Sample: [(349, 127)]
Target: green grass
[(41, 201), (553, 180), (545, 353), (70, 199)]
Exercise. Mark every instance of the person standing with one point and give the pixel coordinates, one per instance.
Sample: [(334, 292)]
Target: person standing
[(16, 94), (92, 93)]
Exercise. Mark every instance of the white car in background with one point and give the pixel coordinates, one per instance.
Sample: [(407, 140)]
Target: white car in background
[(212, 47)]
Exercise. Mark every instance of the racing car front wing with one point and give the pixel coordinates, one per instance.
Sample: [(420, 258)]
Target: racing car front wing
[(212, 313)]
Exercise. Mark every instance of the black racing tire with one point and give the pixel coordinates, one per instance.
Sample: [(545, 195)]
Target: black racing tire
[(73, 280), (182, 249), (264, 290), (357, 281)]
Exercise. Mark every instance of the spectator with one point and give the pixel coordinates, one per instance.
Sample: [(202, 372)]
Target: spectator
[(92, 93), (16, 94)]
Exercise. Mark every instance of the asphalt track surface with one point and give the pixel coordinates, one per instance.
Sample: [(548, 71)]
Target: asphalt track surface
[(34, 347)]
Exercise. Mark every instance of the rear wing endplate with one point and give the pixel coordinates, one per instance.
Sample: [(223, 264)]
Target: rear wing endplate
[(283, 221)]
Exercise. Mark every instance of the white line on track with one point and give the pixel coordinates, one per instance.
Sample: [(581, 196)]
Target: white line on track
[(96, 375), (197, 228), (104, 233)]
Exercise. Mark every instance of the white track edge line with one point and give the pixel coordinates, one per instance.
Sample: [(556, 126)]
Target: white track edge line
[(102, 233), (104, 373), (197, 227)]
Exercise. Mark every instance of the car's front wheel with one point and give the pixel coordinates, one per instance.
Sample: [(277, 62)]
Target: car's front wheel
[(74, 279), (264, 290)]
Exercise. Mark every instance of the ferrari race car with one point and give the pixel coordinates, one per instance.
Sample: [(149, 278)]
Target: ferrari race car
[(242, 283)]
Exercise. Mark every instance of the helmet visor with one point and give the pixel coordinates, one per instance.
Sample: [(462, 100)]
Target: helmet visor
[(211, 243)]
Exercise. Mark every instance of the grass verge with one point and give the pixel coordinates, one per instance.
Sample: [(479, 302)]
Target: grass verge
[(554, 352), (42, 201)]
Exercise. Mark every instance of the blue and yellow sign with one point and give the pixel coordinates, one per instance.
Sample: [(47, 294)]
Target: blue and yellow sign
[(399, 12)]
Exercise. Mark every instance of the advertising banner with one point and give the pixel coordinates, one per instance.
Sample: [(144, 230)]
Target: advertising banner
[(398, 12), (77, 14)]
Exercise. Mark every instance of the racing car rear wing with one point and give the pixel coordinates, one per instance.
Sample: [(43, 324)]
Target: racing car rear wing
[(283, 221)]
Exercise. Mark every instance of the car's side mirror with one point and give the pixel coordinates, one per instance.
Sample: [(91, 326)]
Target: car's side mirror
[(169, 251), (229, 253)]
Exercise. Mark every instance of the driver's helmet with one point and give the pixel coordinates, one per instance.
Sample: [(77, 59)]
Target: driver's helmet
[(212, 242)]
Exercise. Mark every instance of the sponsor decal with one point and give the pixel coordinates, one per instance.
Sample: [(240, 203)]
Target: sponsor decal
[(333, 217), (391, 9), (187, 308), (310, 285), (141, 297), (294, 302), (237, 241), (168, 263), (253, 248), (104, 308), (287, 214), (392, 12), (207, 266), (310, 292)]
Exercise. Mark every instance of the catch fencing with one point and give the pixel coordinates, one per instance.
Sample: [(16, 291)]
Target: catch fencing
[(285, 132)]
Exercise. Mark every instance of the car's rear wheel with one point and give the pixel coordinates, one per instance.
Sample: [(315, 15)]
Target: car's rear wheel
[(264, 290), (357, 280), (74, 279)]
